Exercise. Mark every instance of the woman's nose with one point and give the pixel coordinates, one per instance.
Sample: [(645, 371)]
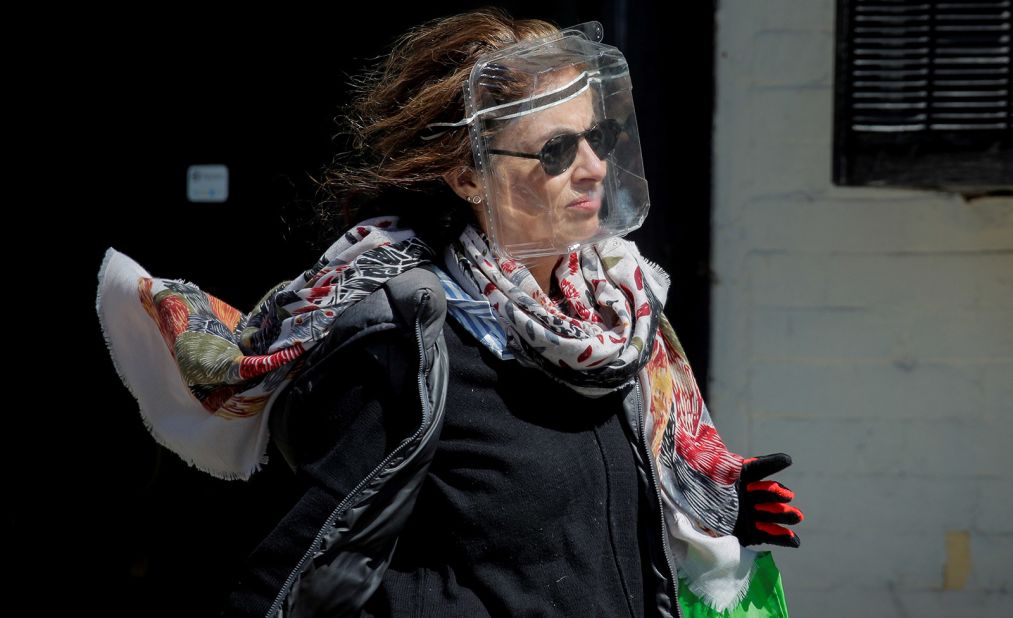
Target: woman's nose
[(587, 165)]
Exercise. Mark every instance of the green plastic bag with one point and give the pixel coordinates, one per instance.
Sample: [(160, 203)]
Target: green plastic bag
[(764, 599)]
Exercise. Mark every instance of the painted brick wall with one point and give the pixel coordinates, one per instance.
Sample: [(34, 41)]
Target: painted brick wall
[(866, 332)]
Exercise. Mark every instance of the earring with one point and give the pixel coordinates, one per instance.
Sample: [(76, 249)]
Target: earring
[(475, 199)]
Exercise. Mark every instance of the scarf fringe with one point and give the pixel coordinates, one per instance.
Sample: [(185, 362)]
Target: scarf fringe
[(698, 588), (661, 276), (658, 272)]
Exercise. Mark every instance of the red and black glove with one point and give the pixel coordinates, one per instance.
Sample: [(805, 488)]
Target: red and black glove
[(763, 505)]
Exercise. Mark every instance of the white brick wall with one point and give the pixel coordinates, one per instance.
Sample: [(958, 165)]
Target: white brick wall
[(866, 332)]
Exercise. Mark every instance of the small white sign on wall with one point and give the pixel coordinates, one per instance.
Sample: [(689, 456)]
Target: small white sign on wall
[(207, 183)]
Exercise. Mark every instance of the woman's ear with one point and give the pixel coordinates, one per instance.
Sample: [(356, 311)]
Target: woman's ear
[(464, 182)]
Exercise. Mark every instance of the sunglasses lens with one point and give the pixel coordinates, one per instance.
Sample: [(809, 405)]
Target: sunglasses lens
[(603, 137), (558, 153)]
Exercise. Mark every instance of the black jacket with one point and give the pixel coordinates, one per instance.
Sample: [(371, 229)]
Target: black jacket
[(361, 442)]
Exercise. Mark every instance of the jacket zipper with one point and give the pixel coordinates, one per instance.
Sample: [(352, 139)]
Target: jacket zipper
[(661, 504), (426, 412)]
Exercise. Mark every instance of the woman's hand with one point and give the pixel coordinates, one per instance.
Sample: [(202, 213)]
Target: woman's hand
[(763, 504)]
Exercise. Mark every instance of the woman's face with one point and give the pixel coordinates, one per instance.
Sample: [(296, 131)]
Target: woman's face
[(533, 207)]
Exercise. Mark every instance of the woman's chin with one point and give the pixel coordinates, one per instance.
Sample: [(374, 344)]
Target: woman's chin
[(581, 231), (571, 228)]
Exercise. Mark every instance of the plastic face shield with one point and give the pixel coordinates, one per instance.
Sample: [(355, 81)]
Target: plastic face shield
[(555, 142)]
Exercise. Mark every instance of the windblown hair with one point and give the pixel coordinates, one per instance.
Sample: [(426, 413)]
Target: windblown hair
[(419, 82)]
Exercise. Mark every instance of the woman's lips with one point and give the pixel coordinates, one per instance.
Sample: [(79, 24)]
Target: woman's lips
[(586, 203)]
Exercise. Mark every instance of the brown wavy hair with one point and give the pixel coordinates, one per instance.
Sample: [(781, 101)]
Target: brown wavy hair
[(418, 82)]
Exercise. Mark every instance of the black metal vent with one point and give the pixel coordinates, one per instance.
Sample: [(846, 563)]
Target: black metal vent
[(923, 94)]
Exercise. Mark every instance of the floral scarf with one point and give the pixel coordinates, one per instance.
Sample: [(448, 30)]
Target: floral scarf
[(205, 374)]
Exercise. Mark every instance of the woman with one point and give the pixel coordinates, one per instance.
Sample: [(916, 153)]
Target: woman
[(544, 449)]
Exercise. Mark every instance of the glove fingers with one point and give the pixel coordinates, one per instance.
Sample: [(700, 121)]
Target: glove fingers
[(776, 535), (756, 468), (763, 504), (778, 512), (769, 491)]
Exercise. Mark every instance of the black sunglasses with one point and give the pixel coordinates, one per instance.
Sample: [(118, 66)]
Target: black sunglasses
[(559, 152)]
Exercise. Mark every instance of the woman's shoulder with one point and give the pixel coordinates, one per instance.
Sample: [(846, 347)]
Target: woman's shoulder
[(405, 305), (417, 295)]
